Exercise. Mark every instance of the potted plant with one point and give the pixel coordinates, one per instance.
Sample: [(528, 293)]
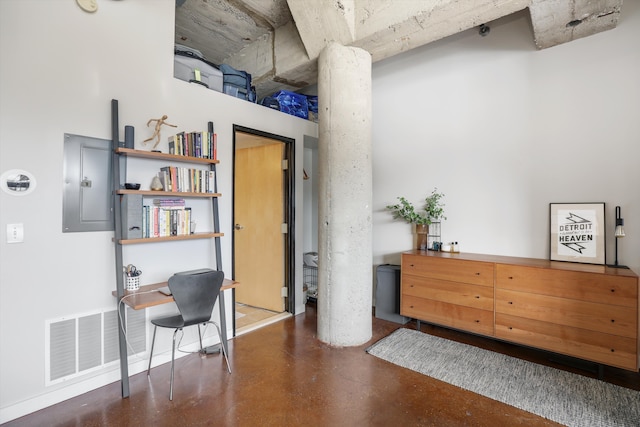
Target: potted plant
[(432, 210), (434, 207)]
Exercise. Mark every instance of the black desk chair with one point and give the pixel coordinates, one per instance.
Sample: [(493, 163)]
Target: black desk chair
[(195, 296)]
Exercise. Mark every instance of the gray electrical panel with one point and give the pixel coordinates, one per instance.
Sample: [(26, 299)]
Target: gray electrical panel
[(87, 200)]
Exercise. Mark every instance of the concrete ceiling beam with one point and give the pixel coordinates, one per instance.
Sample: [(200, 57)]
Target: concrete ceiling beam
[(322, 22), (386, 29), (278, 61), (272, 13), (561, 21)]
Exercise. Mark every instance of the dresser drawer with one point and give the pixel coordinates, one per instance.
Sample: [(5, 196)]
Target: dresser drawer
[(456, 270), (591, 345), (594, 287), (446, 314), (474, 296), (614, 320)]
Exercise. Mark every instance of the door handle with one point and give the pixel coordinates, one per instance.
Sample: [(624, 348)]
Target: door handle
[(238, 227)]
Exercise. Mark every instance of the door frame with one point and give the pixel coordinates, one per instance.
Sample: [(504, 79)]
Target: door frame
[(288, 185)]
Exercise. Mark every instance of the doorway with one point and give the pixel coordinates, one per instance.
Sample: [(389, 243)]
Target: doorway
[(263, 224)]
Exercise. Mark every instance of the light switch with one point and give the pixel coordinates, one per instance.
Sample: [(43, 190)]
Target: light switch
[(15, 233)]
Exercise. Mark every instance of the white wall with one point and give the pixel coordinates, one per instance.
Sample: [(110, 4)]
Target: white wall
[(503, 130), (59, 69), (311, 195)]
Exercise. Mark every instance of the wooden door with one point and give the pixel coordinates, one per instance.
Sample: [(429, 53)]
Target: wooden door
[(259, 250)]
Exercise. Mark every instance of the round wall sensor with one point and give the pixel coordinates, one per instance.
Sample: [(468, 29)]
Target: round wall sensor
[(17, 182), (88, 5)]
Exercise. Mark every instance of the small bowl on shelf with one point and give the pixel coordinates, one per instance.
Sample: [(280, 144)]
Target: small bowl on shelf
[(131, 186)]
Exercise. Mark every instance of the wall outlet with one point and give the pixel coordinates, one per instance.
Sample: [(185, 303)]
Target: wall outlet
[(15, 233)]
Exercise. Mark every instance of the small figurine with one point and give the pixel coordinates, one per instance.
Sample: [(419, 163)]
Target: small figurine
[(156, 132)]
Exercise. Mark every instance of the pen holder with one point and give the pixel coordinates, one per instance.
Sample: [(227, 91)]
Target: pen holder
[(132, 283)]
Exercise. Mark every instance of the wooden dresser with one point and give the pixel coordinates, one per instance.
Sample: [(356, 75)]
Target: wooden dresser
[(585, 311)]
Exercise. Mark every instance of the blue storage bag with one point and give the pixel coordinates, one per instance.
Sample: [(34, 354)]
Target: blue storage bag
[(292, 103)]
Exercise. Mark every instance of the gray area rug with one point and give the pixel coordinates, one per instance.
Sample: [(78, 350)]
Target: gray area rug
[(559, 396)]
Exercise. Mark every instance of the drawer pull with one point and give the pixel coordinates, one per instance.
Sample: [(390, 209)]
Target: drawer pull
[(510, 277), (613, 320), (477, 274), (613, 290), (477, 296), (510, 302), (477, 321), (613, 350), (510, 328)]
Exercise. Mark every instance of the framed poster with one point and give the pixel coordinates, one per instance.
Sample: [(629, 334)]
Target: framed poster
[(577, 232)]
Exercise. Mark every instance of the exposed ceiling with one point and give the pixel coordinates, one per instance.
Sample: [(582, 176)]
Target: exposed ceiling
[(278, 41)]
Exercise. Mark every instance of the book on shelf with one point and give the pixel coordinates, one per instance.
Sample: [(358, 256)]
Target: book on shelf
[(181, 179), (197, 145), (172, 145), (169, 202), (165, 179), (211, 182), (194, 144), (173, 176), (164, 221)]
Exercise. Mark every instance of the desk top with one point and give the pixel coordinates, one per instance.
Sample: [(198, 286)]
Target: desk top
[(148, 295)]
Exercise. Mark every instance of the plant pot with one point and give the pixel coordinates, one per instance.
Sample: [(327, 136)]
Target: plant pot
[(422, 241)]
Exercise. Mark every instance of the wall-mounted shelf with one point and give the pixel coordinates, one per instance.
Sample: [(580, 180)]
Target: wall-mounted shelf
[(118, 195), (168, 193), (170, 238), (130, 152)]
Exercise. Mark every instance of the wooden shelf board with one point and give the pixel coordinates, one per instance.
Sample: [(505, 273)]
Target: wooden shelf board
[(168, 193), (205, 235), (163, 156)]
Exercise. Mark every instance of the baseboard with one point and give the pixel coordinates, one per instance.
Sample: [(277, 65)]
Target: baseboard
[(68, 391)]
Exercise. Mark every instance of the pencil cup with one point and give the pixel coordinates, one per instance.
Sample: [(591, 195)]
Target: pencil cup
[(132, 283)]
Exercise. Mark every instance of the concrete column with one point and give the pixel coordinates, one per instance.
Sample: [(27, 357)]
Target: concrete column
[(345, 271)]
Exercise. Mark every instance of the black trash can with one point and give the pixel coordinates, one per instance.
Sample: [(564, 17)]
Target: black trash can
[(388, 294)]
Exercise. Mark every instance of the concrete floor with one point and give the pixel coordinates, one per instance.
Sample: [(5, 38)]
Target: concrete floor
[(283, 376)]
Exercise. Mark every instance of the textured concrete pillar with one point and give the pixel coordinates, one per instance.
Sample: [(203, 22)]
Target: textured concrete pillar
[(344, 205)]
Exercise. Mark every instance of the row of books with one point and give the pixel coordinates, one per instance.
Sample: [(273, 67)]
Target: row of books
[(164, 221), (194, 144), (182, 179)]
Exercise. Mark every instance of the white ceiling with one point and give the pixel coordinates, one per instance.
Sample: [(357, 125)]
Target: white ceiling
[(278, 41)]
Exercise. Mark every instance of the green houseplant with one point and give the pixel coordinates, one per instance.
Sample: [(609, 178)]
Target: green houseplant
[(432, 210)]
